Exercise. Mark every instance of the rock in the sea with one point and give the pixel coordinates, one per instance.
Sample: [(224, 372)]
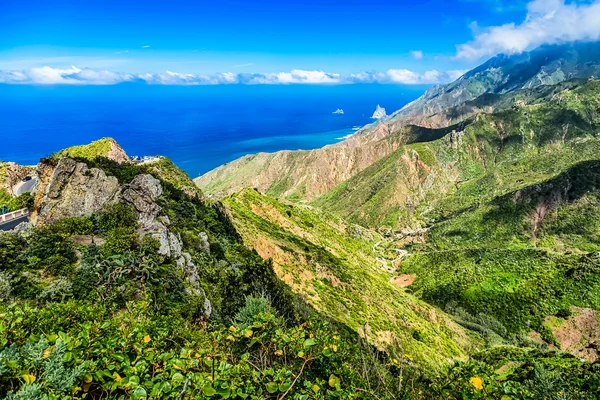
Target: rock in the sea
[(72, 190), (379, 112)]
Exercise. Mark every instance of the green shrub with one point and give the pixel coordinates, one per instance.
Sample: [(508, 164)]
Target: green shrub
[(253, 306), (115, 216), (120, 240), (73, 226), (24, 200)]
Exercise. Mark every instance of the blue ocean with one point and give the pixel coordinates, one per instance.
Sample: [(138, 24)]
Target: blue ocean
[(198, 127)]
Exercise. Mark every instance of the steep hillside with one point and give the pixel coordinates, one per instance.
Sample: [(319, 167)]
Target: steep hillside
[(528, 258), (344, 271), (305, 175), (491, 155), (127, 285), (546, 65)]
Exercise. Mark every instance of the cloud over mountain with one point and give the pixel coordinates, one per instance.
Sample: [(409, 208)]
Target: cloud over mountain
[(88, 76), (547, 22)]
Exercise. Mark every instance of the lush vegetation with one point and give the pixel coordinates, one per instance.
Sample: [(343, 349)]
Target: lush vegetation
[(495, 220), (343, 271), (478, 160), (98, 148)]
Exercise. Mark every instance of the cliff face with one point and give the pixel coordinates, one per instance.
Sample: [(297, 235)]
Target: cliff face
[(71, 189), (305, 175)]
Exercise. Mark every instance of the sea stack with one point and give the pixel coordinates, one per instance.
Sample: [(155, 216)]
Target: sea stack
[(379, 112)]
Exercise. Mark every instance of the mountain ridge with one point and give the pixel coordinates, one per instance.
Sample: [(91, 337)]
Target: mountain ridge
[(316, 171)]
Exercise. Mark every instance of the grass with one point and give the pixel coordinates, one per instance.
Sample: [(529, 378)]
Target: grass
[(335, 266)]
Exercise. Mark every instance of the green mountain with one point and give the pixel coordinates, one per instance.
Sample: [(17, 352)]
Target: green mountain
[(307, 175), (476, 160), (456, 259)]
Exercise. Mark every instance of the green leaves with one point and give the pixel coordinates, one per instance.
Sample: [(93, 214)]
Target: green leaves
[(272, 387)]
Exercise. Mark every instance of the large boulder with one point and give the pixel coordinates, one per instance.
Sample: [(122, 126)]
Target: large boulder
[(142, 193), (71, 189)]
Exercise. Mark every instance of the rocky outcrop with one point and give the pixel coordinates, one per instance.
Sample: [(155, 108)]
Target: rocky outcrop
[(71, 189), (116, 152), (142, 193), (379, 113)]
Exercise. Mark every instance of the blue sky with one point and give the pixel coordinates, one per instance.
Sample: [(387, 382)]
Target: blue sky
[(340, 38)]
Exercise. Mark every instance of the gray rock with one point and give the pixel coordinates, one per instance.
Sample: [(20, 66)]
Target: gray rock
[(74, 190), (204, 245), (24, 230), (142, 193)]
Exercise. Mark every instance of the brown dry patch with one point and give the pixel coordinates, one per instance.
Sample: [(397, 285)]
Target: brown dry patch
[(384, 339), (536, 336), (86, 240), (323, 272), (579, 334), (404, 280)]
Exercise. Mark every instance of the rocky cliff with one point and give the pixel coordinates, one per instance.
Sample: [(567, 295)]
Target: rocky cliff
[(71, 189)]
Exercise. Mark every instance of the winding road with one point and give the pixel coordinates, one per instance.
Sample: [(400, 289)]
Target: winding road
[(23, 187)]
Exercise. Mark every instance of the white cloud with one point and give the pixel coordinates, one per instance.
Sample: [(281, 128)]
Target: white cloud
[(547, 22), (86, 76), (295, 76), (69, 76), (417, 54), (146, 46), (407, 77)]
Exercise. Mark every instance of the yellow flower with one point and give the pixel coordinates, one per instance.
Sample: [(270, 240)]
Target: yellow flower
[(477, 381), (47, 353), (278, 352), (147, 338), (232, 328), (334, 348), (231, 338), (248, 333)]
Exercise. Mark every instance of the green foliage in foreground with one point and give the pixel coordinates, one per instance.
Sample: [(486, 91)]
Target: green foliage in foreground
[(78, 350), (74, 349)]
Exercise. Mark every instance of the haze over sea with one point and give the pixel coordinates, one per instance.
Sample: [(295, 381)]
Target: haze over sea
[(198, 127)]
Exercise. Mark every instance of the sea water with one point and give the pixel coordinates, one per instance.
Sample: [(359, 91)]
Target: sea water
[(198, 127)]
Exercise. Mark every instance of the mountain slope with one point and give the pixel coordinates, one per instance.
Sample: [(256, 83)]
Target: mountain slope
[(492, 154), (346, 277), (305, 175)]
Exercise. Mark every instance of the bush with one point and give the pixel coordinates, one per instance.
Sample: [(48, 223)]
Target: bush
[(73, 226), (120, 240), (115, 216), (57, 265), (254, 306), (24, 200)]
